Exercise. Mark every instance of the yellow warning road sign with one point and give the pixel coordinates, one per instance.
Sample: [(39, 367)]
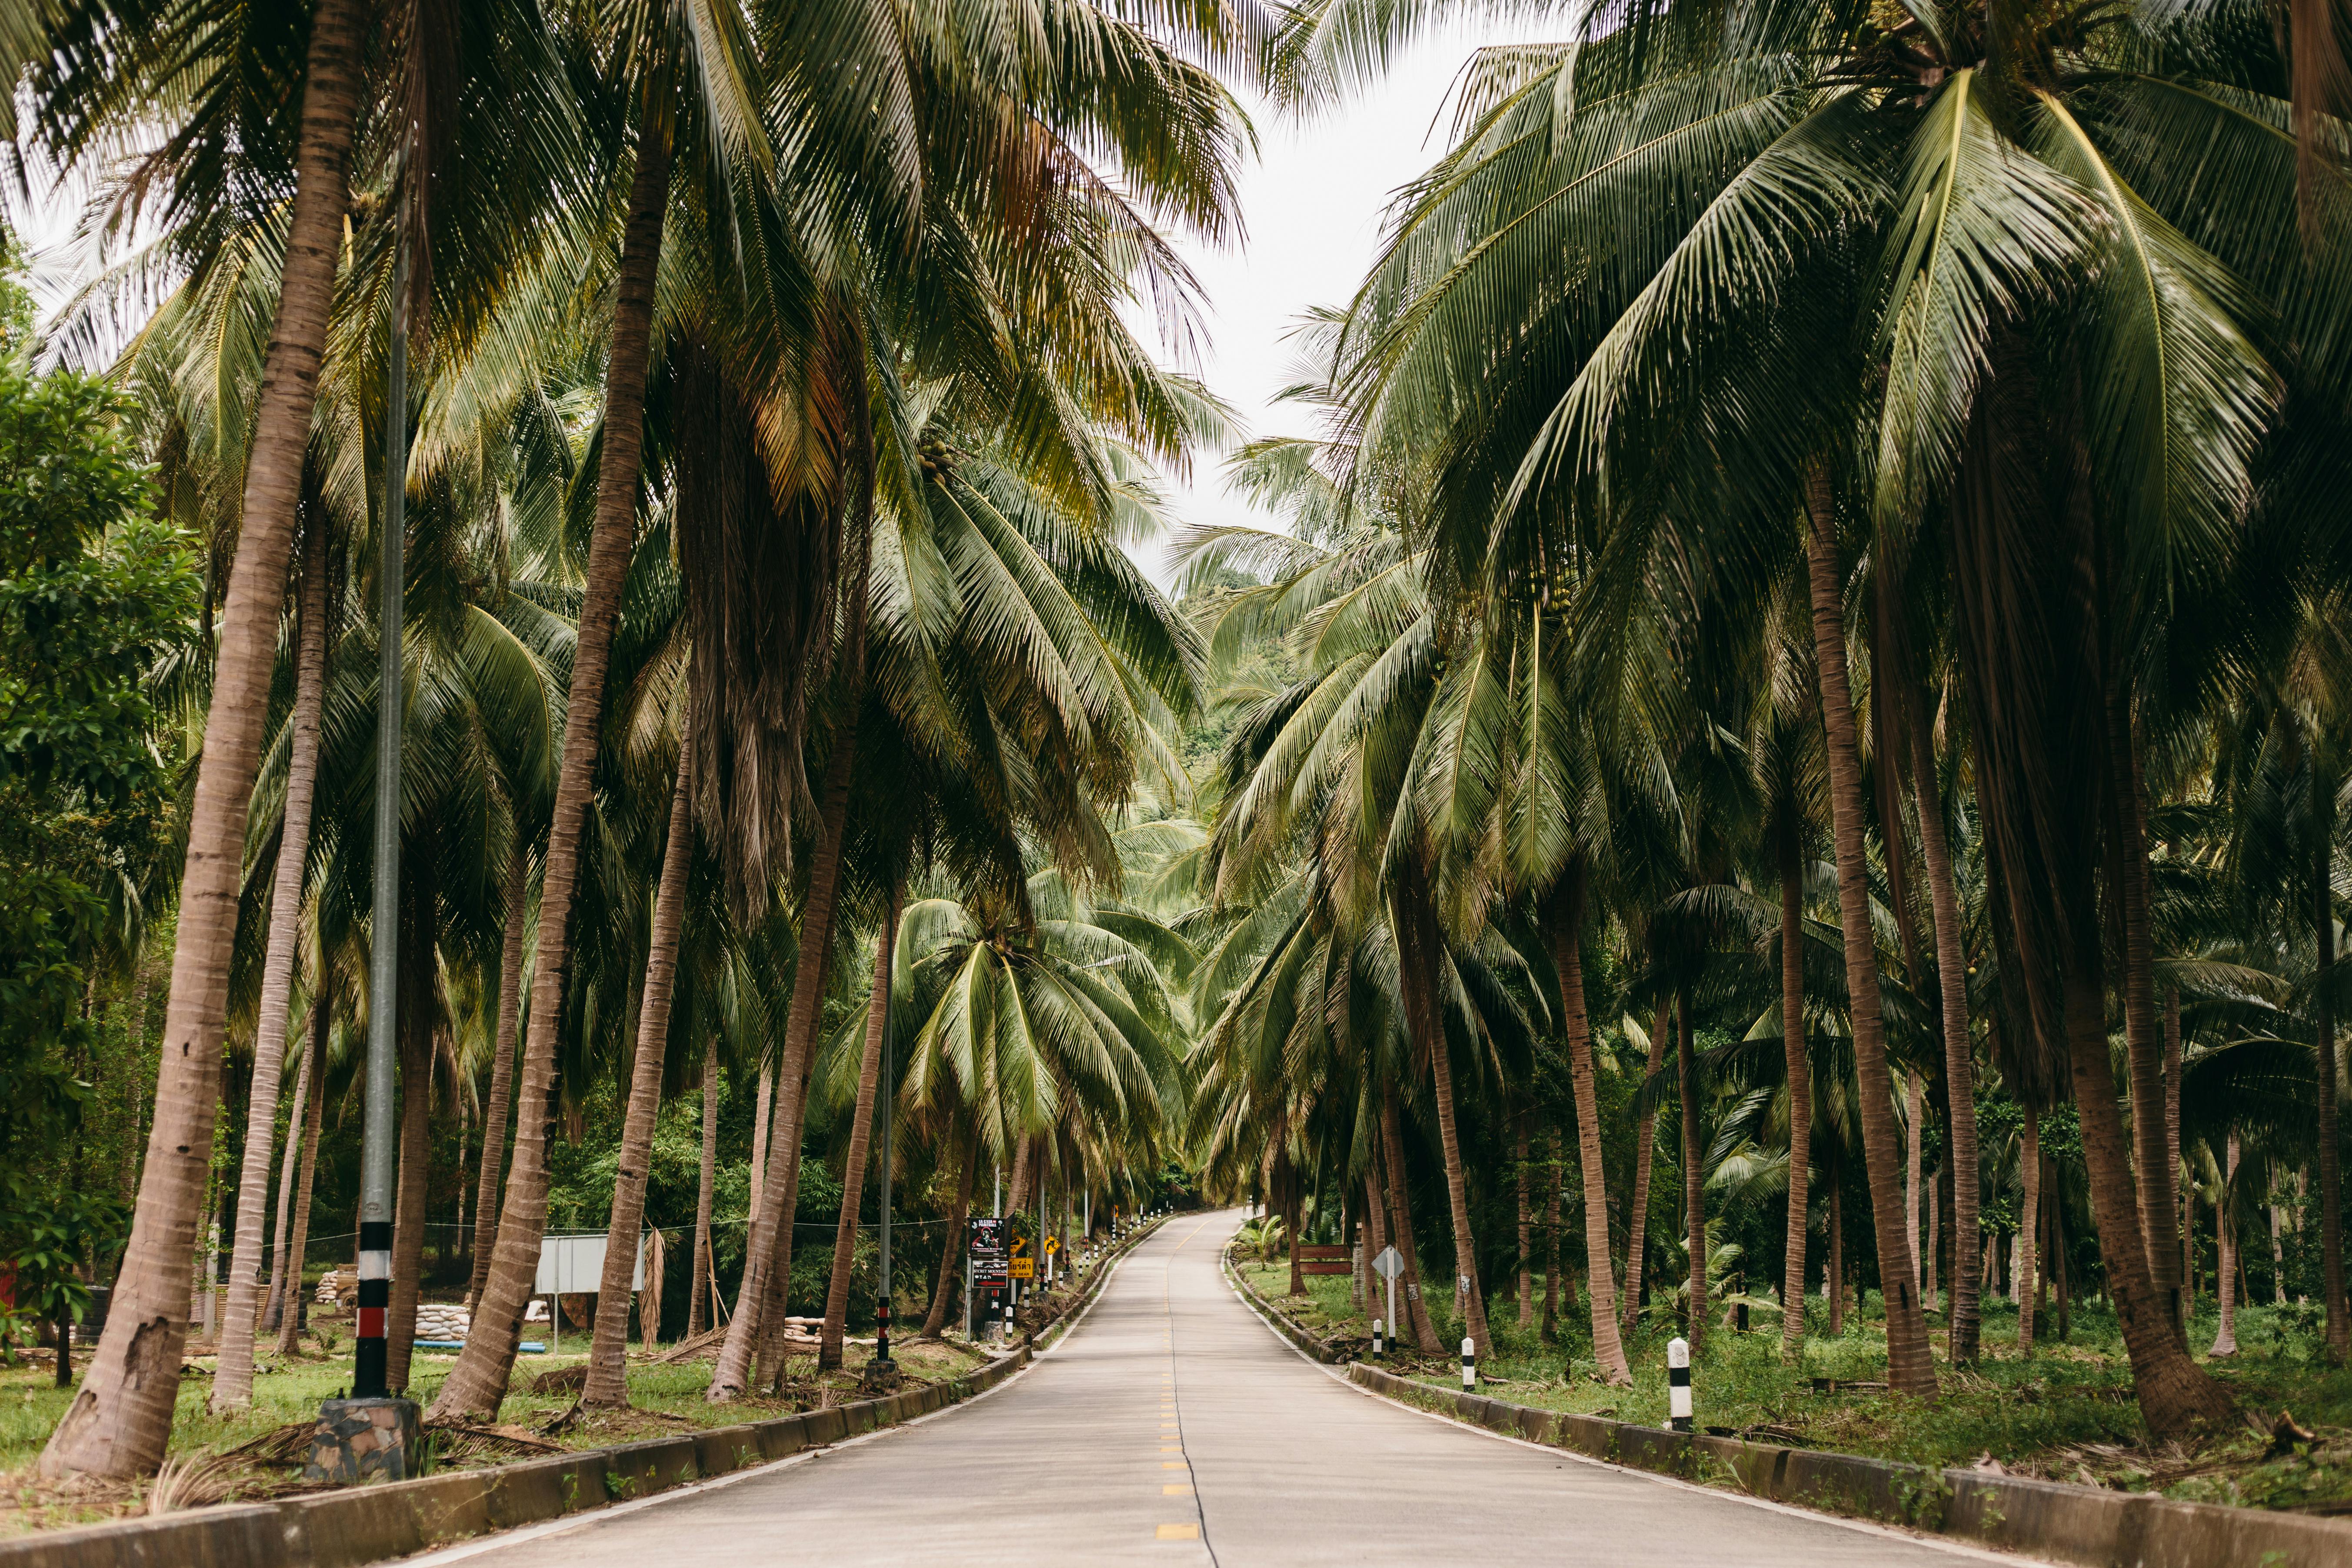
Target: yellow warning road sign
[(1025, 1268)]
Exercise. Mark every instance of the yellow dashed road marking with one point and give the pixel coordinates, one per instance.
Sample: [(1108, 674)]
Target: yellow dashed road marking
[(1178, 1532)]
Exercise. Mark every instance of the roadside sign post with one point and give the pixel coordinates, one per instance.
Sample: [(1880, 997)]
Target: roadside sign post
[(986, 1256), (1387, 1265)]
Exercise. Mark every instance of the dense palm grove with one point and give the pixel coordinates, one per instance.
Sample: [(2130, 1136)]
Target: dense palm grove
[(1789, 743)]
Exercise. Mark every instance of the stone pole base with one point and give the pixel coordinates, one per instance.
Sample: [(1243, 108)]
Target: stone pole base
[(363, 1441)]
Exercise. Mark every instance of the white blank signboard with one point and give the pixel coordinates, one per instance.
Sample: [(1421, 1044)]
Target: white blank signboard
[(574, 1266)]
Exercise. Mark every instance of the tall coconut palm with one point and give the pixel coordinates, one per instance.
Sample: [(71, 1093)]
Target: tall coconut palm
[(1756, 162), (607, 1380), (690, 83), (233, 1379), (235, 192), (120, 1420)]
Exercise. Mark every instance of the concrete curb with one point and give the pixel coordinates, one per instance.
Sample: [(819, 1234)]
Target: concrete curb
[(1308, 1345), (2050, 1519), (367, 1524), (356, 1525)]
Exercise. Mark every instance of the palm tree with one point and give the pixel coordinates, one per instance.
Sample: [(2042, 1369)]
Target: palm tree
[(690, 82), (607, 1379), (233, 1377), (1909, 1368), (853, 1179), (1758, 164), (121, 1421)]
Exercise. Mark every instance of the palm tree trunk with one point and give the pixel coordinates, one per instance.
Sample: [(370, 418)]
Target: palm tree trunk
[(1912, 1129), (1417, 967), (607, 1382), (2058, 1263), (496, 1115), (1932, 1253), (1693, 1172), (1833, 1266), (2178, 1213), (2156, 1173), (478, 1384), (297, 1124), (233, 1382), (1800, 1093), (1637, 1217), (698, 1308), (1959, 1052), (121, 1421), (1424, 1333), (1909, 1368), (2278, 1260), (2225, 1238), (1552, 1264), (1017, 1197), (294, 1310), (1294, 1190), (861, 1128), (1376, 1239), (763, 1117), (2175, 1394), (1526, 1280), (2030, 1228), (935, 1322), (2323, 1023), (758, 1325)]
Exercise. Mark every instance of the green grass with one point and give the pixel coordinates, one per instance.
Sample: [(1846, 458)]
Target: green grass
[(663, 1398), (2065, 1413)]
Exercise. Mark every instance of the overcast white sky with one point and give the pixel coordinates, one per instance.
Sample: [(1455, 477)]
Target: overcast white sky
[(1312, 206)]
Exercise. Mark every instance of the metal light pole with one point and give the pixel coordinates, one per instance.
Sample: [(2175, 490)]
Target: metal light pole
[(373, 1435), (379, 1146)]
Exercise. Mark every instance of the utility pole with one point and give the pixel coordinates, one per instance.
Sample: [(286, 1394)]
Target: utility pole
[(373, 1434), (378, 1144)]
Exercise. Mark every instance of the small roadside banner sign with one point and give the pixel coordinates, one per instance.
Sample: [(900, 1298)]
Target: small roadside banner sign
[(988, 1248), (1025, 1268)]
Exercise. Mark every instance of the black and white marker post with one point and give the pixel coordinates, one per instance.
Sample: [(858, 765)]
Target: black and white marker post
[(1469, 1365), (1376, 1339), (1678, 1384)]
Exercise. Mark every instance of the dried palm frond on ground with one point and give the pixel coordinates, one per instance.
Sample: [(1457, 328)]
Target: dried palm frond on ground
[(194, 1481), (463, 1441)]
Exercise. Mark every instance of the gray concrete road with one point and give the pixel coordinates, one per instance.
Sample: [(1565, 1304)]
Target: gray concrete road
[(1171, 1426)]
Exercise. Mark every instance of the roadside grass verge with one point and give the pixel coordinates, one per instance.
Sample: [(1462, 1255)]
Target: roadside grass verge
[(2063, 1412)]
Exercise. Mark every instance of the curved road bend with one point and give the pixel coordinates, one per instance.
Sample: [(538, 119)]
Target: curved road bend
[(1171, 1426)]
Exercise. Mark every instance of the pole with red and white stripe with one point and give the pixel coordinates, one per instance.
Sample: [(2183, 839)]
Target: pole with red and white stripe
[(378, 1138)]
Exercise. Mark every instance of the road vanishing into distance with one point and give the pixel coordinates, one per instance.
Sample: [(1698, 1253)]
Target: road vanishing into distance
[(1171, 1426)]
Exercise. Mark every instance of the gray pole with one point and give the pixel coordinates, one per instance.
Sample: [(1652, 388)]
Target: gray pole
[(377, 1148)]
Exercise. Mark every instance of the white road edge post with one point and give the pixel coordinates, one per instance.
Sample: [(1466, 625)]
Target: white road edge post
[(1469, 1366), (1376, 1339), (1678, 1384)]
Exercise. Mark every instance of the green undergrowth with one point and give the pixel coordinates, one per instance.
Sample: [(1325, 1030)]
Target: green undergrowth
[(256, 1452), (2063, 1412), (287, 1392)]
